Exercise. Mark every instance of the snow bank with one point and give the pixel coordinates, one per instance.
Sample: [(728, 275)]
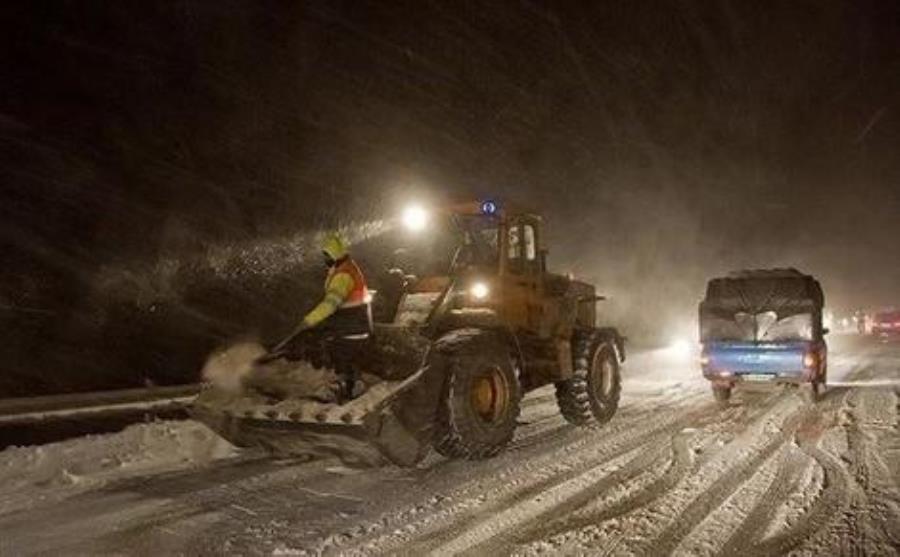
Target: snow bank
[(58, 469)]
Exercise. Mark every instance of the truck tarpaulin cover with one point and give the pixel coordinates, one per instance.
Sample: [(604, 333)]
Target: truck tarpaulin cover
[(762, 305)]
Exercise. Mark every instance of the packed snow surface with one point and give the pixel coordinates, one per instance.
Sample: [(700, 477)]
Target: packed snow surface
[(672, 473), (28, 474)]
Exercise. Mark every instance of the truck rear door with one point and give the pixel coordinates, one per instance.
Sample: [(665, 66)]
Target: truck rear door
[(757, 361)]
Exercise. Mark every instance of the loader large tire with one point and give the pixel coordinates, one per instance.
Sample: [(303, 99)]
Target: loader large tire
[(592, 393), (480, 403)]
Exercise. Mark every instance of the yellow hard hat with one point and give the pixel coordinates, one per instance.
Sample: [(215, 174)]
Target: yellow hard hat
[(334, 247)]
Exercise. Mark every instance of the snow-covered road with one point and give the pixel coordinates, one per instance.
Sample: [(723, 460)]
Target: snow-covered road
[(672, 473)]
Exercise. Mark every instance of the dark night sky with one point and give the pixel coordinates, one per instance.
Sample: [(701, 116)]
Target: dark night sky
[(664, 141)]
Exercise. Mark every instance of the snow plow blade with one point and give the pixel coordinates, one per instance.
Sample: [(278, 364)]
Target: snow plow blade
[(362, 432)]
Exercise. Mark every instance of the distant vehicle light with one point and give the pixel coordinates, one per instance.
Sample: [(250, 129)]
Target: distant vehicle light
[(828, 320), (680, 348), (489, 207), (415, 218), (479, 291)]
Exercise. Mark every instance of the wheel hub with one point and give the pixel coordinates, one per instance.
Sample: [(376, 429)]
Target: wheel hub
[(490, 395), (602, 370)]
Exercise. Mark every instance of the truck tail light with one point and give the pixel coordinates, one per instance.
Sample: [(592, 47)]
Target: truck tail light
[(810, 360)]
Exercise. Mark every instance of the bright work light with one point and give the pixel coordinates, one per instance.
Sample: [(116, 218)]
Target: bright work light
[(415, 218)]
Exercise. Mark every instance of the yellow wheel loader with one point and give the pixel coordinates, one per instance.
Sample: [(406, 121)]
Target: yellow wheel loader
[(448, 371)]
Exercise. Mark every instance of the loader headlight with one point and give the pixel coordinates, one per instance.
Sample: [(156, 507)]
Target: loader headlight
[(479, 290), (415, 218)]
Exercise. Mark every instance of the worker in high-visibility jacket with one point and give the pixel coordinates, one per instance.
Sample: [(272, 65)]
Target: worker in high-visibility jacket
[(343, 317)]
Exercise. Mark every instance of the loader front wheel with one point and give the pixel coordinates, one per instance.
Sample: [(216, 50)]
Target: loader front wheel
[(592, 393), (478, 411)]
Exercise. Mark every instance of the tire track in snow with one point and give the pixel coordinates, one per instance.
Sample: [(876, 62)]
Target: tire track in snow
[(858, 538), (728, 482), (570, 436), (518, 461), (754, 525), (829, 504), (555, 494), (648, 459), (835, 493), (747, 539), (679, 465), (862, 521), (850, 500), (655, 426), (865, 412)]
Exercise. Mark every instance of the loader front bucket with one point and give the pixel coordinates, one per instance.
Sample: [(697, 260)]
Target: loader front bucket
[(364, 431)]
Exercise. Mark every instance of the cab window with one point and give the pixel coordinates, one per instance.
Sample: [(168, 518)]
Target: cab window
[(515, 246), (522, 252), (530, 243)]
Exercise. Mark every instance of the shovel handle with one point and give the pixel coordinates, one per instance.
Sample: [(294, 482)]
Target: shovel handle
[(269, 357), (279, 350)]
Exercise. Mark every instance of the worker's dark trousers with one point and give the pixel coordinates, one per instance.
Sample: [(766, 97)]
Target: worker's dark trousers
[(344, 353), (344, 336)]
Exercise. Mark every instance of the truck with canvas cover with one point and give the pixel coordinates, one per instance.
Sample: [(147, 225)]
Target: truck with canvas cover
[(763, 327), (480, 323)]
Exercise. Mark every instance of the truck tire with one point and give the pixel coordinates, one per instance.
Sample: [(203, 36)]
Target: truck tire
[(480, 403), (811, 392), (722, 395), (594, 388)]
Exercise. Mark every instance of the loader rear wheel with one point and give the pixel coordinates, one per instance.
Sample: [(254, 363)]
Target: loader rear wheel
[(592, 393), (480, 405)]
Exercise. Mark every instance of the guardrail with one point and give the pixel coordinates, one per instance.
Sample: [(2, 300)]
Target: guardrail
[(30, 409), (43, 419)]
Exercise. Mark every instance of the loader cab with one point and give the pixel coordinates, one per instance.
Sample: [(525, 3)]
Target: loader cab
[(523, 255), (521, 272), (503, 251), (481, 247), (498, 265)]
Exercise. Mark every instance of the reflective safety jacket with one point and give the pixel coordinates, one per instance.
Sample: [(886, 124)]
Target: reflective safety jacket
[(346, 300)]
